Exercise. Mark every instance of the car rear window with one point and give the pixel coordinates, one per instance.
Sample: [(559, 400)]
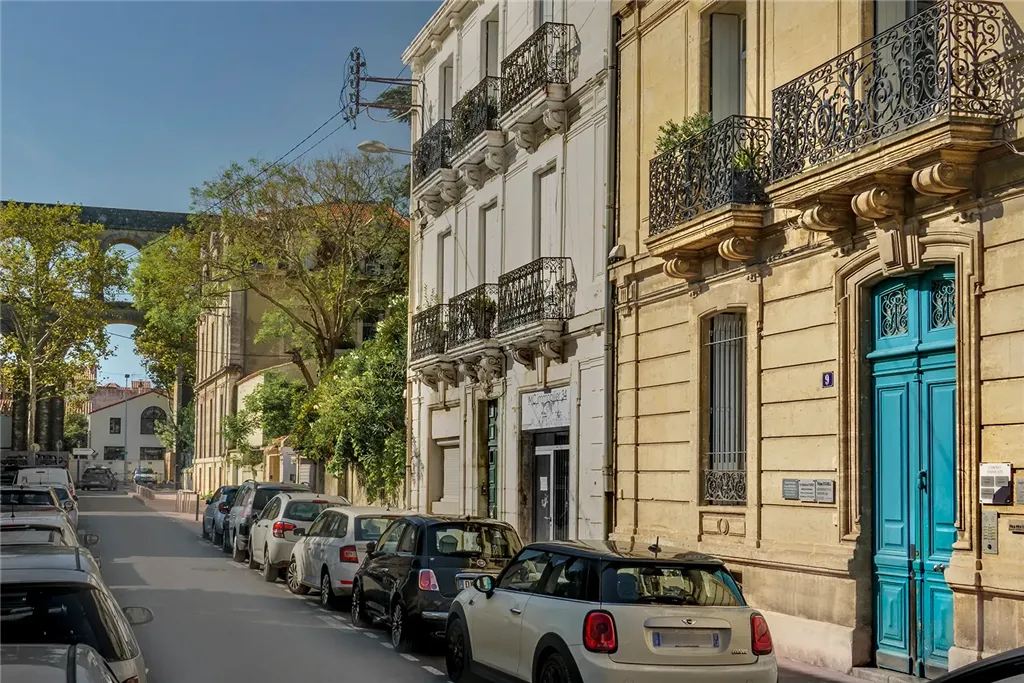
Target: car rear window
[(304, 510), (31, 537), (229, 496), (370, 528), (30, 498), (264, 494), (472, 539), (669, 584)]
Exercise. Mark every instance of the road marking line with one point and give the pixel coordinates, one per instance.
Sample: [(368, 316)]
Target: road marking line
[(369, 635), (336, 627), (388, 646), (434, 671), (409, 657), (339, 618)]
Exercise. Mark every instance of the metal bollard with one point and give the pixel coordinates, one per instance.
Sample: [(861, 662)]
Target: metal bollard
[(197, 507)]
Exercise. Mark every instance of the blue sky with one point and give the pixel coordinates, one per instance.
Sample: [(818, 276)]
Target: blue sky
[(130, 104)]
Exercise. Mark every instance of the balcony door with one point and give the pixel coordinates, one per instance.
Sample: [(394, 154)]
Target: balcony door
[(544, 11), (904, 81)]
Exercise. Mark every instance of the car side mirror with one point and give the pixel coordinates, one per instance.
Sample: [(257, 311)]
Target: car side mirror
[(90, 540), (371, 547), (138, 615), (75, 497), (69, 505), (484, 584)]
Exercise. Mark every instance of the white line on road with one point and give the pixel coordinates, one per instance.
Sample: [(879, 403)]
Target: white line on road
[(388, 646), (339, 618), (369, 635), (333, 624), (434, 671), (408, 656)]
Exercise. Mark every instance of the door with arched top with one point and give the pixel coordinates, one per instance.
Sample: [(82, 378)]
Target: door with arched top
[(913, 367)]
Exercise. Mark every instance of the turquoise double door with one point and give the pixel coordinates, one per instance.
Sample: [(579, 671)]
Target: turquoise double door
[(913, 367)]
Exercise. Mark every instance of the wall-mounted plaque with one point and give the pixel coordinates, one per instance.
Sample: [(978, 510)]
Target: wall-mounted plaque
[(807, 490), (995, 483), (790, 489), (824, 491), (1017, 526), (990, 532), (1019, 499)]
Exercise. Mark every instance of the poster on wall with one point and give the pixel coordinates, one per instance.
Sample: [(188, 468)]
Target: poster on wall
[(994, 478), (545, 409)]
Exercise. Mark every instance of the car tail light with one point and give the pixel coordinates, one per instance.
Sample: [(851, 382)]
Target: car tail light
[(760, 636), (281, 527), (428, 582), (348, 554), (599, 633), (223, 508)]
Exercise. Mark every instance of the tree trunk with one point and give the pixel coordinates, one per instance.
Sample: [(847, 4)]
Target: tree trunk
[(297, 359), (30, 436)]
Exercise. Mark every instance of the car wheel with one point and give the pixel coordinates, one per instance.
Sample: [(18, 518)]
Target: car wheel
[(206, 534), (250, 558), (270, 572), (218, 539), (358, 609), (456, 654), (236, 554), (225, 544), (294, 585), (401, 638), (327, 597), (555, 670)]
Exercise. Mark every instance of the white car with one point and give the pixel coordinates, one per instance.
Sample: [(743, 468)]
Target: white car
[(328, 555), (39, 528), (45, 476), (276, 528), (574, 611), (68, 501)]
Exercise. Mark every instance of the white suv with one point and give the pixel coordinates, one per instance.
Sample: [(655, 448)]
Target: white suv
[(574, 611)]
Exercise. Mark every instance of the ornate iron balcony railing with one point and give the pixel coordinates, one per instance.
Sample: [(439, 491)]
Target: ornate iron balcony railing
[(725, 487), (476, 112), (428, 332), (951, 58), (473, 315), (548, 56), (544, 289), (432, 151), (727, 163)]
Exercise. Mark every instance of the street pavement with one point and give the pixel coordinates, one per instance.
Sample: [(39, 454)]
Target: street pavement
[(214, 620)]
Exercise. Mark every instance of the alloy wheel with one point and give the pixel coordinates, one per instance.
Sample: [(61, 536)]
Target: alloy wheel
[(552, 671), (455, 653), (325, 590), (397, 617)]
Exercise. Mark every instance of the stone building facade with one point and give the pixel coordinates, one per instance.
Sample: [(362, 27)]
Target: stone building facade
[(820, 316), (507, 281)]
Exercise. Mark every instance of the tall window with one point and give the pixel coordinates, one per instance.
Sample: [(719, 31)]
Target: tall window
[(492, 459), (446, 266), (725, 480), (115, 425), (490, 244), (728, 65), (491, 65), (447, 90), (544, 11), (150, 416), (548, 230)]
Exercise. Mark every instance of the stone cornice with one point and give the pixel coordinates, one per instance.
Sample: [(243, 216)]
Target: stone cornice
[(436, 29)]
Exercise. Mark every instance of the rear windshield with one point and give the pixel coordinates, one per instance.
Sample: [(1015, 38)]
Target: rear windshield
[(370, 528), (33, 498), (669, 584), (304, 510), (145, 470), (31, 537), (229, 496), (43, 476), (472, 539), (62, 615), (263, 495), (95, 470)]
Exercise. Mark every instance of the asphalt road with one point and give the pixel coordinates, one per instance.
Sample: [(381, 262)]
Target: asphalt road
[(215, 620)]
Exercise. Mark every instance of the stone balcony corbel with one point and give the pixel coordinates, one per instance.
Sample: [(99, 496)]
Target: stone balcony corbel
[(883, 202), (953, 173), (545, 112), (482, 157), (731, 231), (828, 214)]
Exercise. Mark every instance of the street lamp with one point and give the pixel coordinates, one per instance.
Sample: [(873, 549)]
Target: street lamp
[(378, 147)]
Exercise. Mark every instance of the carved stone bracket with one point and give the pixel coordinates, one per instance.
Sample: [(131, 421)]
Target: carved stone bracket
[(896, 238), (556, 118), (525, 137), (433, 205), (494, 159), (741, 249), (879, 203), (829, 214), (943, 178), (551, 348), (469, 370), (447, 373), (449, 186), (475, 175), (429, 378), (522, 355), (683, 267), (489, 367)]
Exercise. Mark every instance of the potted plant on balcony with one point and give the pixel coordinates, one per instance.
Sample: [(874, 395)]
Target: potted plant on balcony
[(483, 311), (672, 134), (745, 186)]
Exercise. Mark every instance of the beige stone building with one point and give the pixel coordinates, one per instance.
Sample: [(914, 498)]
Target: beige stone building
[(820, 316)]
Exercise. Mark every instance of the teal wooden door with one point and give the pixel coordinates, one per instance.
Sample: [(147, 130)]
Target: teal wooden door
[(913, 365)]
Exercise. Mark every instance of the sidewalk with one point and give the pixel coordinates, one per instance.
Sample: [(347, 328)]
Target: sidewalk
[(791, 671), (166, 504)]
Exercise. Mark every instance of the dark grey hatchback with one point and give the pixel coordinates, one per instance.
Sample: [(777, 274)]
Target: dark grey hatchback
[(420, 563)]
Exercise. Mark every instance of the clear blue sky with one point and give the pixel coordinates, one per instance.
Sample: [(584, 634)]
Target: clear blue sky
[(130, 104)]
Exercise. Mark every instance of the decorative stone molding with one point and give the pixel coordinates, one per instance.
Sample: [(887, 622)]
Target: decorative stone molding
[(429, 377), (829, 214), (683, 267), (740, 249), (551, 349), (489, 367), (433, 205), (943, 178), (556, 118), (469, 370), (878, 204), (525, 137), (898, 245), (448, 182), (448, 374), (494, 159), (475, 175), (523, 355)]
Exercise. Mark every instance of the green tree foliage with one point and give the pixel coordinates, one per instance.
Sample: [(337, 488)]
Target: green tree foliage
[(167, 288), (672, 134), (399, 99), (76, 431), (54, 278), (276, 402), (357, 413), (322, 242), (178, 429)]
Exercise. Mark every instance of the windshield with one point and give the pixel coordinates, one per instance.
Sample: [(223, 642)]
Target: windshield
[(31, 537), (370, 528), (304, 511), (145, 470), (471, 539), (669, 584), (28, 498), (63, 615)]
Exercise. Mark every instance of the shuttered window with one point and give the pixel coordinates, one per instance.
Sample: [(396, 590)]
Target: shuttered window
[(726, 414), (728, 65), (452, 475)]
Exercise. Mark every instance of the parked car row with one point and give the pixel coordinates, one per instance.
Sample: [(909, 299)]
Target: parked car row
[(60, 618)]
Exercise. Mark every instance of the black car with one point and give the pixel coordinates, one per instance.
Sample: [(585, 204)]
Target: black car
[(1005, 667), (97, 478), (420, 563)]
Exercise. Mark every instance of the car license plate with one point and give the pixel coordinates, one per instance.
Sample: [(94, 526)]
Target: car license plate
[(463, 584), (686, 638)]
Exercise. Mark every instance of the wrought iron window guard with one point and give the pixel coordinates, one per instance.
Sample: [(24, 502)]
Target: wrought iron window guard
[(473, 315), (548, 56), (428, 332), (544, 289), (727, 163), (725, 487), (476, 112), (432, 151), (951, 58)]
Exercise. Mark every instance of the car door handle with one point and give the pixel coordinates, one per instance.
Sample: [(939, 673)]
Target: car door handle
[(516, 610)]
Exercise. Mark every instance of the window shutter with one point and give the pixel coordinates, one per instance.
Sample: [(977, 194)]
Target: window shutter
[(452, 474), (725, 66)]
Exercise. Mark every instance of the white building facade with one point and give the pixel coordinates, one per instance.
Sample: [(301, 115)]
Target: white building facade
[(508, 265), (123, 435)]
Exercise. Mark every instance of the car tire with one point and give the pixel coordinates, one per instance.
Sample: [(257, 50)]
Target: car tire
[(269, 571), (250, 558), (236, 554), (358, 607), (206, 534), (295, 586), (328, 599), (456, 652), (217, 539), (401, 635), (225, 542), (554, 670)]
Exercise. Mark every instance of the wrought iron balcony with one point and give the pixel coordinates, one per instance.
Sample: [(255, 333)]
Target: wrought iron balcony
[(548, 56), (473, 315), (544, 289), (428, 332), (725, 487), (727, 163), (951, 58), (476, 112), (432, 151)]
